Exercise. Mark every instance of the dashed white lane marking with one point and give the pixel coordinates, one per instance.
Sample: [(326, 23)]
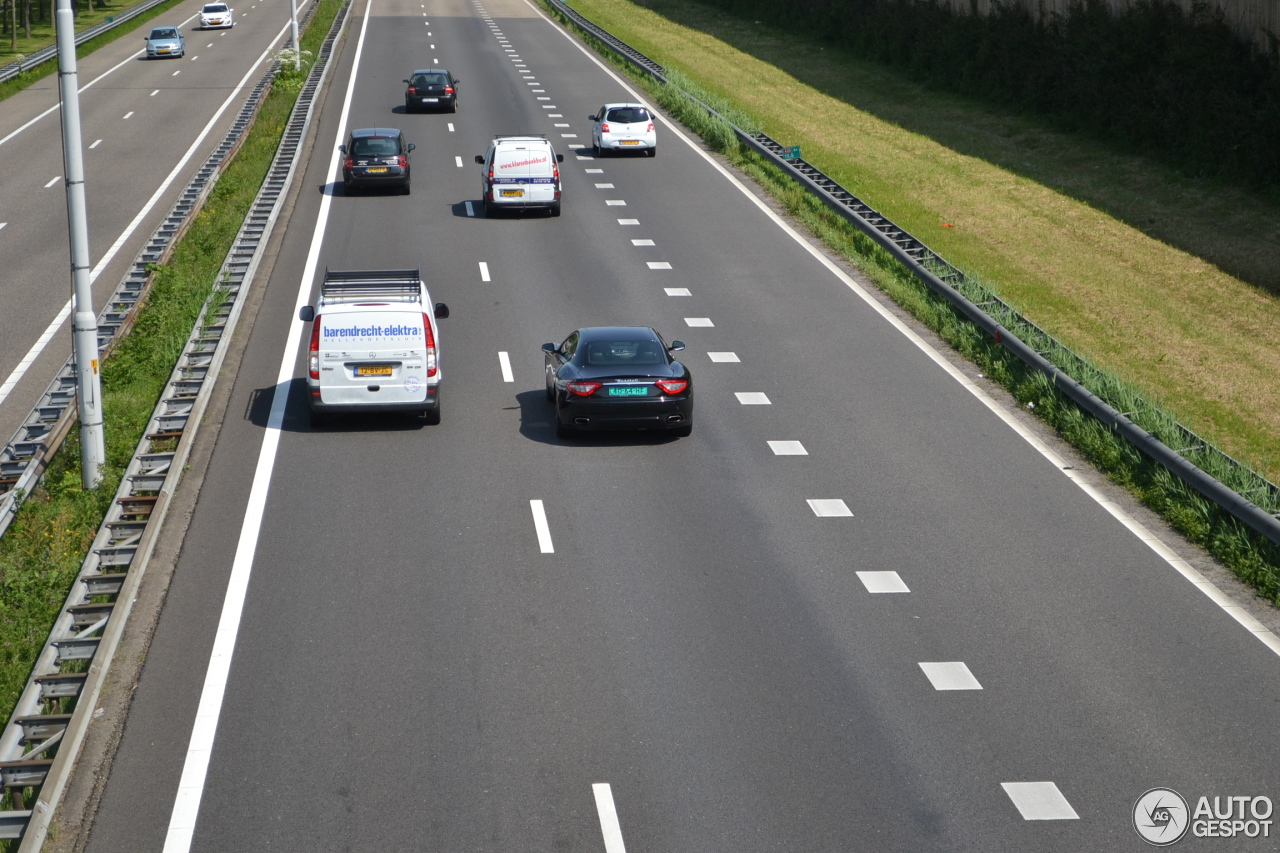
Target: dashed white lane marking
[(2, 225), (504, 361), (615, 202), (604, 186), (698, 322), (576, 145), (435, 60), (952, 675), (194, 58), (451, 127), (594, 171), (471, 211), (660, 265), (95, 144), (752, 398), (628, 221), (542, 527), (126, 115), (830, 508), (608, 818), (640, 242), (176, 73), (484, 271), (432, 47), (559, 123), (458, 160), (544, 98), (882, 582), (210, 44), (555, 115), (54, 181), (186, 806), (1039, 801), (548, 106), (724, 357), (677, 291), (153, 94), (585, 157), (787, 448)]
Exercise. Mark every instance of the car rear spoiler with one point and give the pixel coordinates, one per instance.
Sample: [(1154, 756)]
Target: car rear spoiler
[(355, 285)]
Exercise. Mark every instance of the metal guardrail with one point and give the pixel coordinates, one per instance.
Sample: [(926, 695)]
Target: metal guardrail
[(44, 54), (1031, 344), (39, 746)]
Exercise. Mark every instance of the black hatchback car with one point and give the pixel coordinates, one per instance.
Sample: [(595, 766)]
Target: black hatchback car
[(431, 89), (618, 377), (376, 157)]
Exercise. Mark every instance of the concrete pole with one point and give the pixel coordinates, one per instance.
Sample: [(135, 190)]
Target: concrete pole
[(297, 48), (93, 453)]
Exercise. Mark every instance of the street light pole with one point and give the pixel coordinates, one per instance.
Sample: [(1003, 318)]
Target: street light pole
[(93, 452), (297, 48)]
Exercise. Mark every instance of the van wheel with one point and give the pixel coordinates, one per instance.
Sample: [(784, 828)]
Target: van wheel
[(319, 420), (555, 209), (431, 417), (488, 209)]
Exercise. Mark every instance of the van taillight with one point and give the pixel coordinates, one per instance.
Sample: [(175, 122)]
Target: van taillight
[(313, 365), (431, 345)]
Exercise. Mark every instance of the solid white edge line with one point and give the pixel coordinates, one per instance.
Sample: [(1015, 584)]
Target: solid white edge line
[(14, 377), (542, 527), (608, 818), (504, 361), (1210, 589), (186, 806)]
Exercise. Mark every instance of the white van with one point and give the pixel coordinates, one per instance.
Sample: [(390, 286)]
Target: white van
[(374, 345), (521, 171)]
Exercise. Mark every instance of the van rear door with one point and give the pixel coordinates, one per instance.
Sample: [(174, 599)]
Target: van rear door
[(523, 173), (372, 358)]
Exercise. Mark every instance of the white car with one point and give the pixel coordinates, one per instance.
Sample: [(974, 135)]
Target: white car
[(624, 127), (520, 172), (216, 15)]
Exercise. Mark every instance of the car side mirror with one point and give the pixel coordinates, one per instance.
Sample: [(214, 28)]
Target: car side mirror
[(306, 313), (549, 349), (412, 146), (442, 311), (559, 158), (456, 81), (342, 148), (404, 81), (592, 118), (479, 159), (676, 346)]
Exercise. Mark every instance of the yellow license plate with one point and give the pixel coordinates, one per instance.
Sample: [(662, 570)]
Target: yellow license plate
[(377, 171), (631, 142), (374, 370), (512, 193)]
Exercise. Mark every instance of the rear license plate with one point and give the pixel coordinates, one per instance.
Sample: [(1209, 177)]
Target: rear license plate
[(377, 171), (630, 391), (631, 142), (374, 370), (430, 100), (512, 193)]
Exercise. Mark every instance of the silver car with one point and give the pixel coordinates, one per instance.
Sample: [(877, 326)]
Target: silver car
[(165, 41)]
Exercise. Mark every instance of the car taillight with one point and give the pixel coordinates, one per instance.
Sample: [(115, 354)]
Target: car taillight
[(650, 130), (604, 127), (431, 345), (413, 91), (402, 160), (584, 389), (313, 365), (350, 162), (672, 386), (448, 90)]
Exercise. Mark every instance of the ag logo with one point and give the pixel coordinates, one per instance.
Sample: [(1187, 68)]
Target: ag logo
[(1160, 816)]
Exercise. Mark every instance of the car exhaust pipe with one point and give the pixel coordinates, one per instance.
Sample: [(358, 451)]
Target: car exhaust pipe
[(674, 419), (581, 421)]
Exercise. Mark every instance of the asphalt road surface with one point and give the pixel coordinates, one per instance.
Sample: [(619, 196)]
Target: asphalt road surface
[(147, 126), (696, 657)]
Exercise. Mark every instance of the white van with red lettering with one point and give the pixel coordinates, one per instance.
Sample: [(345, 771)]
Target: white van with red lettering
[(374, 345), (519, 172)]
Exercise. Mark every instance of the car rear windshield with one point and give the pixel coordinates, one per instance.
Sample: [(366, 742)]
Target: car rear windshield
[(214, 8), (628, 115), (375, 146), (164, 33), (430, 80), (624, 352)]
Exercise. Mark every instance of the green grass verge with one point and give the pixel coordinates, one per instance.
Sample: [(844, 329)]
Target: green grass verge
[(1254, 559), (45, 69), (43, 549)]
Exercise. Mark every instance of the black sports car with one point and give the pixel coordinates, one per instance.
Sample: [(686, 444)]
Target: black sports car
[(618, 377)]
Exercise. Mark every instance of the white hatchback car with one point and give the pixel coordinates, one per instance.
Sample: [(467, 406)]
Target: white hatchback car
[(624, 127), (216, 15)]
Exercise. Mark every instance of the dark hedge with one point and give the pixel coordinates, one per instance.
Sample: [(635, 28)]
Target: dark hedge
[(1181, 86)]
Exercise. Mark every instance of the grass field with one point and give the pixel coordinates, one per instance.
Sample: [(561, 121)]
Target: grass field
[(1110, 253), (41, 552)]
